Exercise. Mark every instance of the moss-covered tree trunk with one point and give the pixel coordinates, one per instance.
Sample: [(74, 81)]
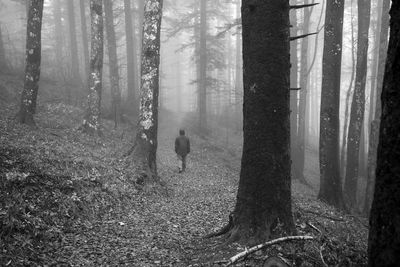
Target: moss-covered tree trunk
[(91, 123), (263, 206), (32, 63), (113, 62), (145, 147), (330, 185), (357, 105), (384, 233)]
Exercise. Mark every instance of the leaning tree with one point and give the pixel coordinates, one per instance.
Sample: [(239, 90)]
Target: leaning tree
[(263, 205), (32, 64), (145, 144), (384, 231)]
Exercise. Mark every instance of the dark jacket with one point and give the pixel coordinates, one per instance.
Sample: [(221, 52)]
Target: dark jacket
[(182, 145)]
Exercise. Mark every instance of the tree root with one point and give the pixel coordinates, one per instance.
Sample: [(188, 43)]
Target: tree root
[(224, 229)]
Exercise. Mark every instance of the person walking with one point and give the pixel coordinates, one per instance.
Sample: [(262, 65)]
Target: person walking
[(182, 148)]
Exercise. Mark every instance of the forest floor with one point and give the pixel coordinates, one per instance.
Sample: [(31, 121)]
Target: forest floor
[(67, 200)]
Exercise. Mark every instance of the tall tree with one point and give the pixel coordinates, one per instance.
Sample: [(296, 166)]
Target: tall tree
[(32, 64), (357, 105), (145, 148), (3, 61), (73, 44), (58, 34), (202, 94), (383, 43), (113, 61), (330, 185), (131, 69), (91, 123), (264, 196), (384, 234), (85, 41)]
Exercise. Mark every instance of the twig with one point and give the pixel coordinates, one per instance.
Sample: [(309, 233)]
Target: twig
[(268, 243), (303, 6), (322, 256), (313, 227), (302, 36)]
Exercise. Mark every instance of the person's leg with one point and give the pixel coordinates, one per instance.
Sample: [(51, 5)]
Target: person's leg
[(180, 163), (183, 163)]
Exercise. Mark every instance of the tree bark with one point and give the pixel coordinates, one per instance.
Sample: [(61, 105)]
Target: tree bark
[(357, 105), (85, 42), (202, 94), (91, 123), (330, 185), (145, 147), (32, 64), (113, 62), (263, 204), (378, 110), (384, 234)]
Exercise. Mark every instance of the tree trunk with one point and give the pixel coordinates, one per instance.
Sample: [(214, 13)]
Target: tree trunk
[(58, 30), (330, 185), (357, 105), (85, 42), (294, 96), (3, 60), (263, 204), (145, 146), (203, 68), (300, 150), (378, 110), (73, 45), (32, 64), (113, 62), (132, 72), (91, 123), (384, 234), (238, 73)]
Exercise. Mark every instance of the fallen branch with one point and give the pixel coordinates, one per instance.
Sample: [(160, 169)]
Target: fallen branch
[(322, 257), (314, 227), (268, 243), (323, 215)]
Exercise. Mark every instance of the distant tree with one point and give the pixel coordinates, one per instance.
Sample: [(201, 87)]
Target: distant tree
[(132, 72), (3, 61), (32, 64), (374, 134), (58, 31), (113, 62), (263, 204), (91, 123), (85, 41), (145, 147), (384, 234), (73, 44), (330, 185), (357, 105)]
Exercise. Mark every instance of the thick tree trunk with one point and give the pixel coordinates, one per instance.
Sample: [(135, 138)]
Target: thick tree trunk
[(202, 94), (113, 62), (357, 105), (330, 186), (91, 123), (73, 44), (384, 234), (294, 60), (145, 147), (85, 42), (132, 72), (378, 110), (263, 204), (32, 64)]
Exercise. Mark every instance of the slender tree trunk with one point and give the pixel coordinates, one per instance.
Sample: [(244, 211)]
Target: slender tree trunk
[(145, 147), (91, 123), (264, 198), (238, 73), (203, 68), (113, 62), (131, 69), (3, 61), (58, 30), (294, 60), (330, 185), (73, 44), (85, 42), (32, 63), (300, 150), (357, 106), (378, 110), (384, 234)]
